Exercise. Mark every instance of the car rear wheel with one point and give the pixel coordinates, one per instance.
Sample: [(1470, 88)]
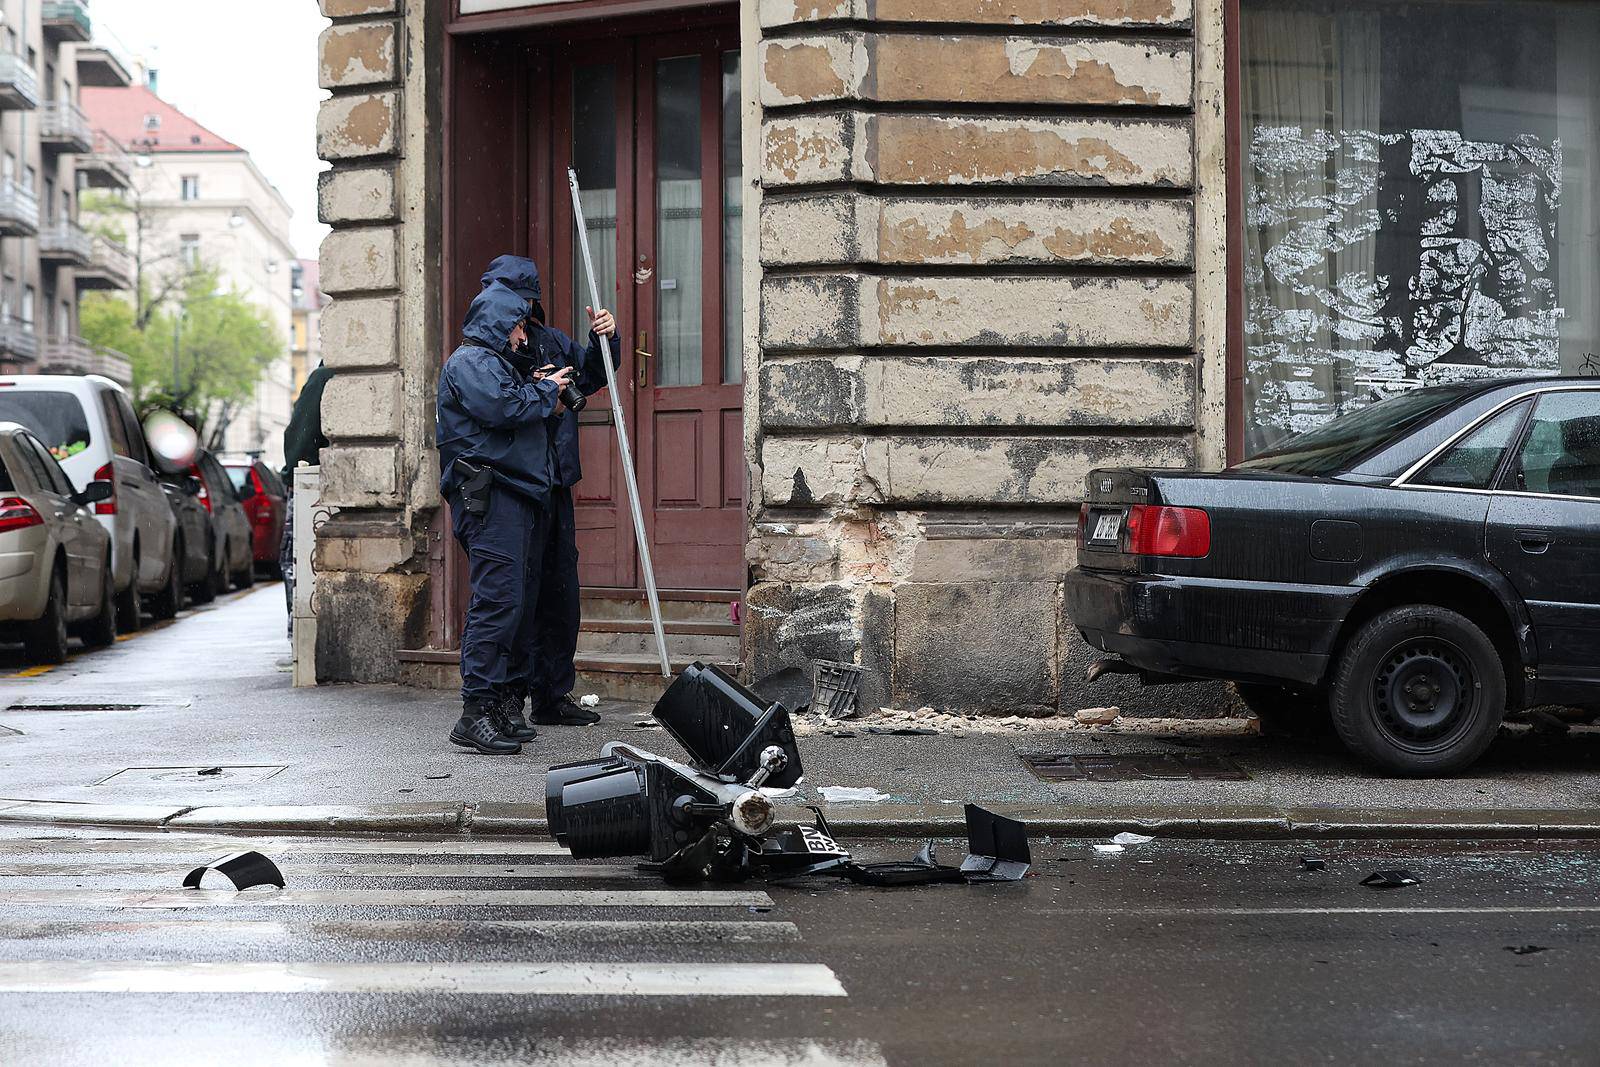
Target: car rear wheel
[(245, 577), (205, 590), (45, 639), (1419, 690), (169, 600), (101, 631)]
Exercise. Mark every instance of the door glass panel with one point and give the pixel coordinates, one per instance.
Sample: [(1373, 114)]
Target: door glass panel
[(678, 232), (594, 155), (1472, 463), (732, 216), (1562, 453)]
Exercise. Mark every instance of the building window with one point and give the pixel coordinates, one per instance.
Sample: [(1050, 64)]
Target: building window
[(189, 187), (30, 297), (152, 123), (1418, 196), (189, 250)]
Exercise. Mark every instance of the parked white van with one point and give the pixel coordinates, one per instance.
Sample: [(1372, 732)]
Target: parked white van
[(89, 425)]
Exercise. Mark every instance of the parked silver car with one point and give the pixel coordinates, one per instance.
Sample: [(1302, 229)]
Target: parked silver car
[(55, 559)]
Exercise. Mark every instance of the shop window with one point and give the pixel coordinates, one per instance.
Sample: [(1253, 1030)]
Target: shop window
[(1420, 193)]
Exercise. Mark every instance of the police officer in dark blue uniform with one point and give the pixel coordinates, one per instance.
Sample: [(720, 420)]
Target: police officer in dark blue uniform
[(495, 470), (544, 668)]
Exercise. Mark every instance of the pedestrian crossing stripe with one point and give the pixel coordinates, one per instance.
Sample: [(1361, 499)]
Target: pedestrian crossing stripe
[(101, 869), (424, 898), (544, 979), (387, 932), (622, 1052), (281, 847)]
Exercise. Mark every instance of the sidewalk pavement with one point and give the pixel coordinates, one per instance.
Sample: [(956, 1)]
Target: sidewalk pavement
[(211, 691)]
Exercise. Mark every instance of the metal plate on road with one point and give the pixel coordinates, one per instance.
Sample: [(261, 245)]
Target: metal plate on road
[(79, 707), (1134, 767), (199, 775)]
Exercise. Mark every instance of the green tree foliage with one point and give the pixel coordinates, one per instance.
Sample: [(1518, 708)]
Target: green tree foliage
[(223, 344)]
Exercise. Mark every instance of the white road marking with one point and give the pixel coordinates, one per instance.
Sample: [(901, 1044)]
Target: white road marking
[(604, 1052), (546, 979), (281, 847), (602, 871), (1113, 911), (620, 931), (424, 898)]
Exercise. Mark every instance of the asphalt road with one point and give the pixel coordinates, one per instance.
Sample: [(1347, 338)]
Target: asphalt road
[(476, 951)]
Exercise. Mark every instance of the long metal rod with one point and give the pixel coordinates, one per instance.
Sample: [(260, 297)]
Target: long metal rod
[(622, 435)]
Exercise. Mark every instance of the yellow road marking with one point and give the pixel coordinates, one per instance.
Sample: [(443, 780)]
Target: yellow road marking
[(33, 672)]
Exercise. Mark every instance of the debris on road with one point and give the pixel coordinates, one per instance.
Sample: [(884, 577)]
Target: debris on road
[(850, 794), (1311, 864), (1390, 879), (1098, 716), (435, 777), (1108, 850), (834, 688), (589, 700), (1127, 838), (209, 772), (1526, 950), (243, 869)]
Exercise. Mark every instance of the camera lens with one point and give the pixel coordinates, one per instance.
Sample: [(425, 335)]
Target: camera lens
[(573, 398)]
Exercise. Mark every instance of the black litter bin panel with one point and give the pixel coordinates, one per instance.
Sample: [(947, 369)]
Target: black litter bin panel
[(724, 726)]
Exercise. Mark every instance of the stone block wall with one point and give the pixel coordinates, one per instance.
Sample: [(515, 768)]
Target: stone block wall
[(379, 469), (985, 237)]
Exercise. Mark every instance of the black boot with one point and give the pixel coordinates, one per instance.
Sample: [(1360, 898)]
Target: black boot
[(511, 722), (564, 712), (477, 729)]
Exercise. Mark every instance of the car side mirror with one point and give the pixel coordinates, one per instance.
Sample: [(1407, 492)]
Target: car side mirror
[(93, 493)]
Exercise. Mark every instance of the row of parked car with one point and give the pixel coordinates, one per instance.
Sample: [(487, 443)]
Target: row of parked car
[(96, 532)]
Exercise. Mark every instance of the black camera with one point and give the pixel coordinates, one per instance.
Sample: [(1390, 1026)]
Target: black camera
[(573, 397)]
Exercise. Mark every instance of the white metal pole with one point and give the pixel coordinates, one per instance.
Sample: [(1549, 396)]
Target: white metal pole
[(622, 435)]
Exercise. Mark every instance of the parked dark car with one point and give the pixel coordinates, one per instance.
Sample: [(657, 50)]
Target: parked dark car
[(194, 534), (1417, 568), (261, 492), (231, 547)]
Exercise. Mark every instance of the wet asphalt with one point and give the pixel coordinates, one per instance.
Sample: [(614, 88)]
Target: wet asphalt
[(1168, 952)]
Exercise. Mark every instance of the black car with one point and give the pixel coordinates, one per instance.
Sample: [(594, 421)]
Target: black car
[(1417, 568), (191, 550)]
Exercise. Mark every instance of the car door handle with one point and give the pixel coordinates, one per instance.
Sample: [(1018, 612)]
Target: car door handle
[(1535, 542)]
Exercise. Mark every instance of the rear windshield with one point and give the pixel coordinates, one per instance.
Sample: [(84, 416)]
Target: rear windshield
[(240, 477), (1337, 446), (6, 484), (56, 419)]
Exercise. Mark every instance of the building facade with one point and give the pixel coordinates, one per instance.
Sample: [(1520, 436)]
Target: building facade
[(305, 342), (200, 199), (49, 151), (894, 275)]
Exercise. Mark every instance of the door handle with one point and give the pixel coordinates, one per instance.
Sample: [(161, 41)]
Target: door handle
[(643, 358), (1535, 542)]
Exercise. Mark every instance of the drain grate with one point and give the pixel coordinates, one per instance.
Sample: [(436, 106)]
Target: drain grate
[(1134, 767), (205, 775), (108, 706)]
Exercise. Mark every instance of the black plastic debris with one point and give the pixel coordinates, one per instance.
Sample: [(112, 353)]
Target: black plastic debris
[(243, 869), (1313, 863), (835, 688), (903, 731), (725, 727), (997, 847), (209, 772), (1390, 879), (1526, 950)]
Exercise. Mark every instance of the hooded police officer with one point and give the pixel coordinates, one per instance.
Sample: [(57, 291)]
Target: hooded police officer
[(543, 671), (496, 470)]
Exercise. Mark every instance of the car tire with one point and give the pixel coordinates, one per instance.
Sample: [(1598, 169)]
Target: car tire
[(101, 631), (1286, 712), (1418, 691), (130, 607), (45, 639), (169, 600), (246, 578), (205, 590)]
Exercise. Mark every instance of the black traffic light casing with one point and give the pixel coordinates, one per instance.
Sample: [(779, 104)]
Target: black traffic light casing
[(724, 726)]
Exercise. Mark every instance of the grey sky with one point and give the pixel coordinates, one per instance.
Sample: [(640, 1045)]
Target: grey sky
[(248, 70)]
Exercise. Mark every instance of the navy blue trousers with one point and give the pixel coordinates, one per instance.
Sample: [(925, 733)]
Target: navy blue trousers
[(545, 665), (505, 551)]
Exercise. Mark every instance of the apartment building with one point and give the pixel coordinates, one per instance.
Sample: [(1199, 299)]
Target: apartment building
[(49, 151), (305, 345), (204, 200)]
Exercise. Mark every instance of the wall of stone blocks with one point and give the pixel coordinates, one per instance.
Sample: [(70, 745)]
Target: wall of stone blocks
[(379, 468), (978, 280)]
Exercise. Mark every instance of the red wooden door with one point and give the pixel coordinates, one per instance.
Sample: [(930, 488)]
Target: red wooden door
[(687, 363)]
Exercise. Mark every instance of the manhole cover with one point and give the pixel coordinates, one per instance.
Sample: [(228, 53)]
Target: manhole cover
[(1134, 767), (199, 774)]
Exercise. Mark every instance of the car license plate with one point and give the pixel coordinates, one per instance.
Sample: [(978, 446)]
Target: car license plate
[(1107, 527)]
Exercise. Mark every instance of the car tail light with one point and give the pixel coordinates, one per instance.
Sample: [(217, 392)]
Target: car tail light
[(1156, 530), (1083, 525), (204, 495), (107, 473), (17, 514)]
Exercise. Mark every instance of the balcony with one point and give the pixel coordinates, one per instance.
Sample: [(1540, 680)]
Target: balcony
[(18, 342), (101, 66), (106, 165), (19, 84), (64, 127), (109, 266), (19, 210), (66, 243), (74, 355), (67, 20)]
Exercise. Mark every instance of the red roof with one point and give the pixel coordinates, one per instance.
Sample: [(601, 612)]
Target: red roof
[(138, 119)]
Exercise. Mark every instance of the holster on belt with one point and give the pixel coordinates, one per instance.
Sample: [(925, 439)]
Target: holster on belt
[(476, 482)]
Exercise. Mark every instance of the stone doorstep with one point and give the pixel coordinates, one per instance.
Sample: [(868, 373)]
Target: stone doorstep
[(1235, 822)]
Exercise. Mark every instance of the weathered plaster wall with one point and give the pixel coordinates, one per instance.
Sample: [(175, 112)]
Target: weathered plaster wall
[(989, 237), (380, 199)]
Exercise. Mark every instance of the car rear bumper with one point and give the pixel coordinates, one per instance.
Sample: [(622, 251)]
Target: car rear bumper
[(1207, 628), (22, 591)]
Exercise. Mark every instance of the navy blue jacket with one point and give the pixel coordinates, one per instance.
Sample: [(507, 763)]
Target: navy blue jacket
[(486, 408), (546, 345)]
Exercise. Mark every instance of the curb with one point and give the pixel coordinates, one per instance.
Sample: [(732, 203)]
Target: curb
[(1241, 823)]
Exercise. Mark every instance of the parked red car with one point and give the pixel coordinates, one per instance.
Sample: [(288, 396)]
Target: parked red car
[(261, 492)]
